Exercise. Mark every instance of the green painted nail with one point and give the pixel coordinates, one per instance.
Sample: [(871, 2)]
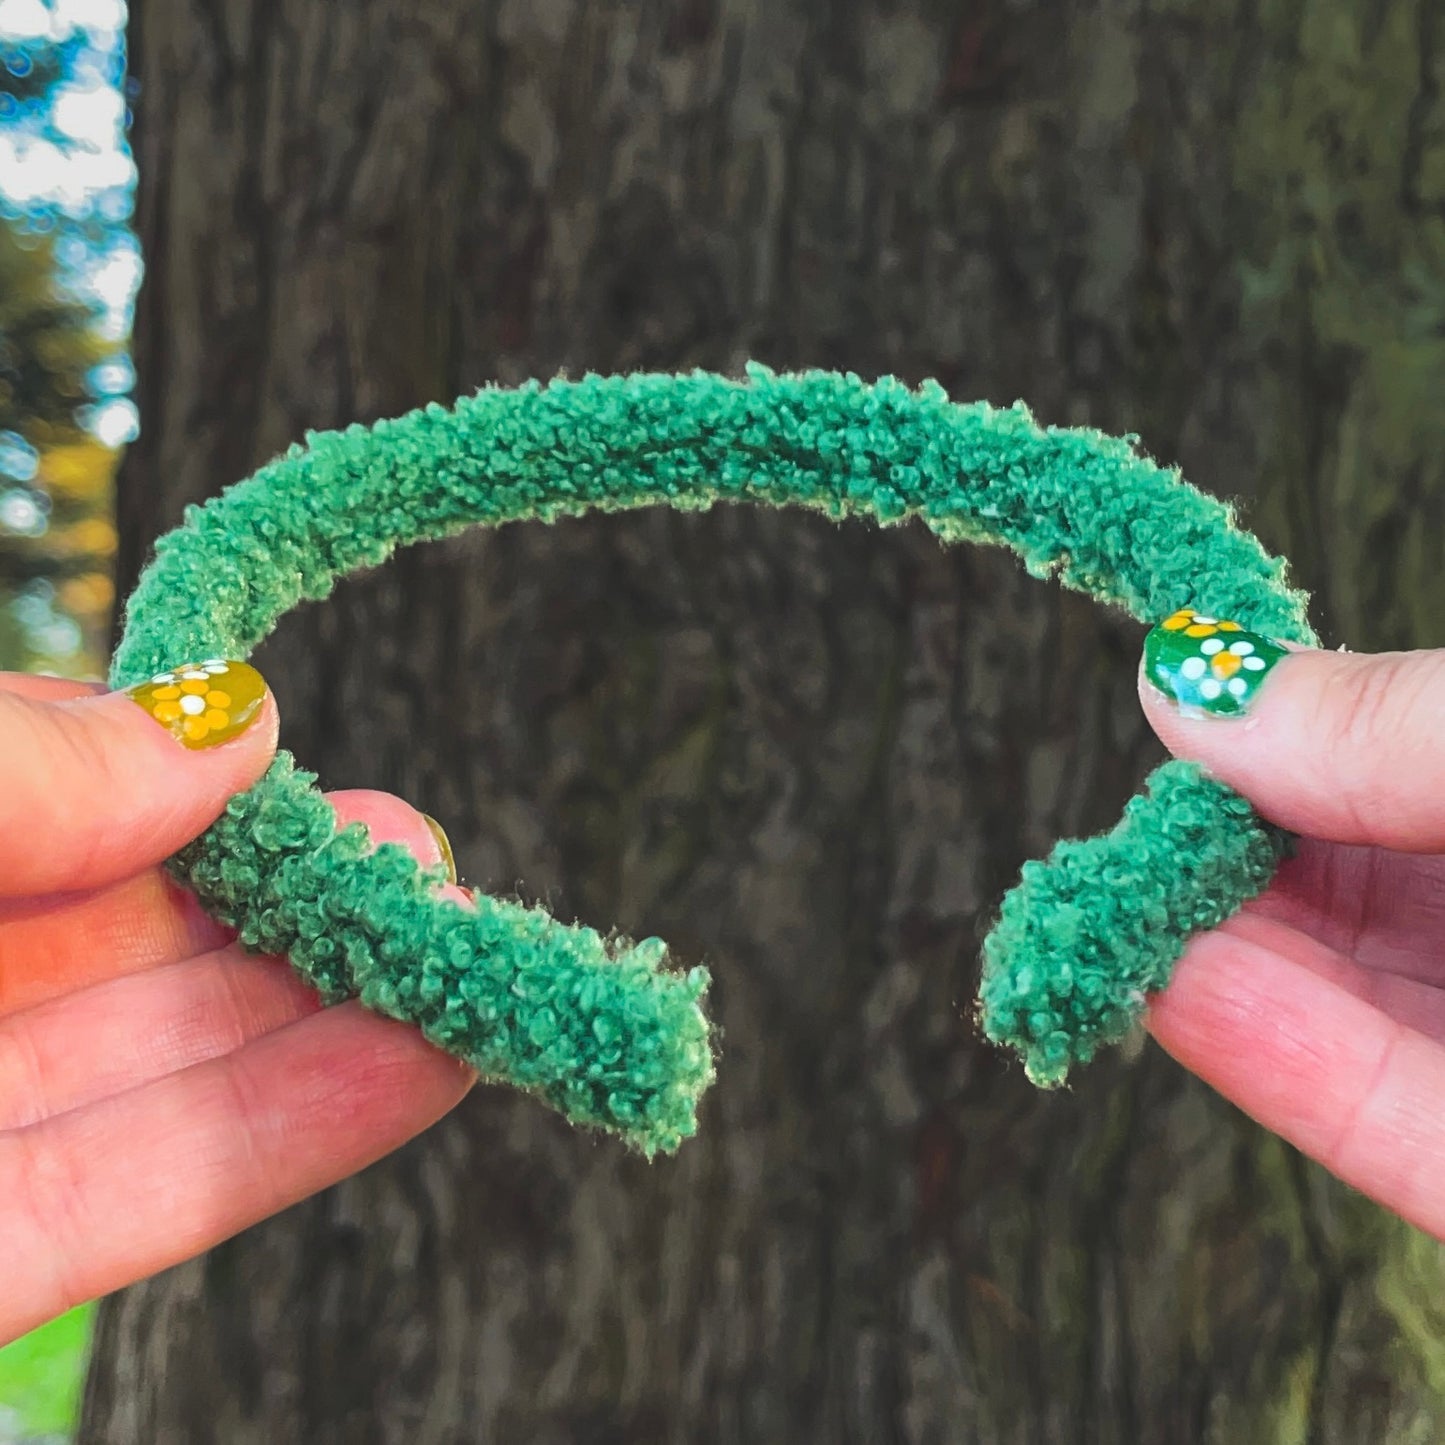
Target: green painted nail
[(1208, 665)]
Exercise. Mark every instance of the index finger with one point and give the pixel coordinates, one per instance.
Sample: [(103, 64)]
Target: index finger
[(95, 788), (46, 689), (1311, 1061), (59, 945)]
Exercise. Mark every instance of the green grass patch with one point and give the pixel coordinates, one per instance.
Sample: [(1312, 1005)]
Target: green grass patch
[(42, 1373)]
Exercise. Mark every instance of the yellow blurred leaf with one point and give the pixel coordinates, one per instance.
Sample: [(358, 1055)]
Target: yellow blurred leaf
[(87, 596), (91, 536), (85, 469)]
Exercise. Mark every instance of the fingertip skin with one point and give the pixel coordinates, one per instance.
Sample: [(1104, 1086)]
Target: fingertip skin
[(1341, 746), (93, 790)]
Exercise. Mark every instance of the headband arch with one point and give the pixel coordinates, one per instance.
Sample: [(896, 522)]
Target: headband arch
[(602, 1028)]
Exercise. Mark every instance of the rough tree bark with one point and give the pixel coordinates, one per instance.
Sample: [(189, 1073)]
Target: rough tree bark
[(812, 756)]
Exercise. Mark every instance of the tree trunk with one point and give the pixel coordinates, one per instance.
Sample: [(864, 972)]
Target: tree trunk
[(811, 756)]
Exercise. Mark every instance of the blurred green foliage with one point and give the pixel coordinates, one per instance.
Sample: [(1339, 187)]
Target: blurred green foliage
[(40, 1382), (57, 538), (64, 314), (48, 342)]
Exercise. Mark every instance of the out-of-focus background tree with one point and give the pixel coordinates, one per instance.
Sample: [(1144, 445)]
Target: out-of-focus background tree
[(68, 263), (813, 756), (68, 268)]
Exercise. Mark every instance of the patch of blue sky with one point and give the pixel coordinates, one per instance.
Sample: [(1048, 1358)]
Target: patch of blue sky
[(66, 169)]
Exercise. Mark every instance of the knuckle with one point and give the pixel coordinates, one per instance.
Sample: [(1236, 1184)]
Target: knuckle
[(49, 1200), (1368, 697)]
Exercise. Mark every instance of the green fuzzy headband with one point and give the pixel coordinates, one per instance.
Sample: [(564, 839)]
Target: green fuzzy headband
[(599, 1026)]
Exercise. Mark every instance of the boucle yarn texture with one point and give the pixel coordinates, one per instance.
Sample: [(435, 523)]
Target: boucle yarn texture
[(606, 1029)]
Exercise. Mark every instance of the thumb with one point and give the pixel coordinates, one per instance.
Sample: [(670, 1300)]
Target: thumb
[(1342, 746), (97, 788)]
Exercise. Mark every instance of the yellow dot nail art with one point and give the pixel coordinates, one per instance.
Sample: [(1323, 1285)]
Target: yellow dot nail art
[(203, 704), (1207, 664)]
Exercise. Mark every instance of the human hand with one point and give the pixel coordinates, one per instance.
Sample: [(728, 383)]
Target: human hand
[(1319, 1009), (160, 1088)]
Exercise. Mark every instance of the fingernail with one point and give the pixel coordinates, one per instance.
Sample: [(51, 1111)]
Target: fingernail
[(203, 704), (1208, 665), (444, 843)]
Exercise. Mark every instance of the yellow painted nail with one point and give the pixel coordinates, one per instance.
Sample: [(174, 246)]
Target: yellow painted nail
[(203, 704), (444, 843)]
